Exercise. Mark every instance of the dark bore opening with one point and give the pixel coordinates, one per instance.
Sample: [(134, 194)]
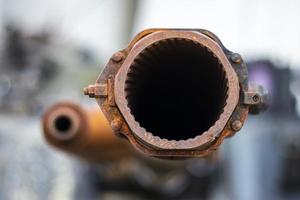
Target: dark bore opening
[(176, 89), (63, 124)]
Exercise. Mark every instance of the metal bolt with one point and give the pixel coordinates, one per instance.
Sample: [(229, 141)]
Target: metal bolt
[(236, 125), (86, 91), (118, 57), (236, 58), (255, 98), (116, 124), (96, 91), (89, 91)]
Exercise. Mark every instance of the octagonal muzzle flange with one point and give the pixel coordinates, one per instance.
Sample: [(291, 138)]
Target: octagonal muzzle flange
[(174, 92)]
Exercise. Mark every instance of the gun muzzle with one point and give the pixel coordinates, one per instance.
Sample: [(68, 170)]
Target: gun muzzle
[(83, 132), (176, 92)]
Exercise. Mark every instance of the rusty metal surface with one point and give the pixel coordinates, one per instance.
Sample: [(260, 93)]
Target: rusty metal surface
[(161, 143), (257, 98), (114, 103), (87, 135)]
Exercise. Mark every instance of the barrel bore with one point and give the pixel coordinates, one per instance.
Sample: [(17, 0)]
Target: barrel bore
[(176, 89), (63, 124)]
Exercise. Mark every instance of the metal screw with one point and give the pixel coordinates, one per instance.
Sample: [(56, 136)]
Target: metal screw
[(86, 91), (89, 91), (96, 91), (236, 58), (236, 125), (118, 57), (255, 98)]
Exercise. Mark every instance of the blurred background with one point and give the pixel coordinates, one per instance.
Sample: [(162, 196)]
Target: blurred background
[(51, 49)]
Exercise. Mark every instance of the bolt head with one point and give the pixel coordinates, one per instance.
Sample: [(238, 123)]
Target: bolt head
[(256, 98), (118, 57), (89, 91), (236, 125), (236, 58), (116, 124), (85, 91)]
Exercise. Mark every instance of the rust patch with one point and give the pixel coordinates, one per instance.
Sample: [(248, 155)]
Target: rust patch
[(233, 82)]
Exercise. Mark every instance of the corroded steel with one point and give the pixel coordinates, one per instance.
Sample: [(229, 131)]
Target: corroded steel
[(169, 72), (83, 132)]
